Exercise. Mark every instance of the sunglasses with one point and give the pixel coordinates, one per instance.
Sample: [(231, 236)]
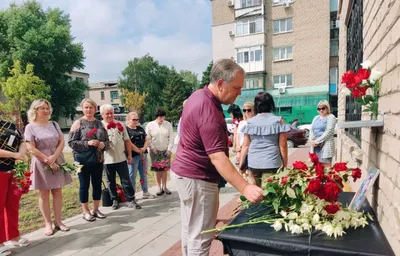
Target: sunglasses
[(246, 110), (135, 119), (323, 108)]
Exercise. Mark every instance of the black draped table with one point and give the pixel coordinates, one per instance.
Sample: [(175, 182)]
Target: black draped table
[(262, 239)]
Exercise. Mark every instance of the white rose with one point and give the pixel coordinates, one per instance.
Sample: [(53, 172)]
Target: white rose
[(366, 64), (375, 75)]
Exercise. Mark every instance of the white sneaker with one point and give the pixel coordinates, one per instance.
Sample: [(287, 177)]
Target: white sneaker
[(147, 195)]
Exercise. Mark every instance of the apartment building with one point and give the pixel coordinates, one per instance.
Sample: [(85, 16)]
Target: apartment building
[(285, 47)]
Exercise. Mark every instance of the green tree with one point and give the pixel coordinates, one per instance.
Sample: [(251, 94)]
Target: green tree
[(206, 74), (21, 89), (134, 101), (146, 75), (43, 38), (190, 78), (173, 95)]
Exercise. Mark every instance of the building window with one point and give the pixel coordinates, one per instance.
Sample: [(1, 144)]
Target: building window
[(353, 60), (79, 79), (333, 80), (254, 83), (252, 54), (114, 95), (334, 48), (283, 53), (283, 81), (283, 26), (250, 26), (249, 3), (102, 95), (334, 7), (284, 110), (277, 2)]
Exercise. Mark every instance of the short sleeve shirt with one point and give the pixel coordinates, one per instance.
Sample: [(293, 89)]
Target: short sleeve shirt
[(137, 137), (203, 132), (115, 153)]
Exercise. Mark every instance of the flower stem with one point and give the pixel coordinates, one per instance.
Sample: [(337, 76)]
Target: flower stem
[(236, 226)]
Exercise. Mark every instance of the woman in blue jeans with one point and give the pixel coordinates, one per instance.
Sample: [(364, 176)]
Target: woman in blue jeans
[(139, 138)]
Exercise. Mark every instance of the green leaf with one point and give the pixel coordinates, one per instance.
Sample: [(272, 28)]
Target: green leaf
[(360, 101), (290, 192), (242, 198), (271, 190), (276, 205), (368, 98)]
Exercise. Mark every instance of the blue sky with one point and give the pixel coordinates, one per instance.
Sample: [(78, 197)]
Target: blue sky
[(175, 32)]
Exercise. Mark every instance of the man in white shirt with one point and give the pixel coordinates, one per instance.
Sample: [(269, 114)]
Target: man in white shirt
[(115, 159)]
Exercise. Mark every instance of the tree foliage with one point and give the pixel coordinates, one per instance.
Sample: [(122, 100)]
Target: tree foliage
[(43, 38), (134, 101), (190, 78), (21, 89), (206, 74), (173, 95)]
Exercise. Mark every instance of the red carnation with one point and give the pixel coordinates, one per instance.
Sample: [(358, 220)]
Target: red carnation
[(340, 167), (299, 165), (314, 186), (119, 126), (269, 180), (319, 170), (110, 125), (313, 157), (363, 73), (356, 174), (348, 77), (359, 91), (331, 191), (91, 132), (285, 180), (332, 208)]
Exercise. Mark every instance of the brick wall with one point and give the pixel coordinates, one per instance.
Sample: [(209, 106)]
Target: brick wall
[(379, 147), (221, 13), (310, 41)]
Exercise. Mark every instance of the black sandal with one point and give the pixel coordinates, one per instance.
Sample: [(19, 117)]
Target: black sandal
[(159, 193)]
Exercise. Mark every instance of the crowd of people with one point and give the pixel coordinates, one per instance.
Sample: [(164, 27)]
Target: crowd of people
[(200, 168)]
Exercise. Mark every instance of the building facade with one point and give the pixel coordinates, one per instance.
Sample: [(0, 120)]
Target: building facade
[(285, 48), (370, 31), (106, 93)]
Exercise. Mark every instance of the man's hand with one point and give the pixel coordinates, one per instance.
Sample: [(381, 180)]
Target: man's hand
[(253, 193)]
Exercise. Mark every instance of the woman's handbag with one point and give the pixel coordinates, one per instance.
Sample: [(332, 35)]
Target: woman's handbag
[(88, 157), (105, 196)]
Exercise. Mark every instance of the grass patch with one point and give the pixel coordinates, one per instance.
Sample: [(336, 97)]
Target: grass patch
[(30, 218)]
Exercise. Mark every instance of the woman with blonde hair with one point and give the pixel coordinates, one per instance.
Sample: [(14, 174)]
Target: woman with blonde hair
[(248, 111), (88, 139), (45, 142), (322, 134)]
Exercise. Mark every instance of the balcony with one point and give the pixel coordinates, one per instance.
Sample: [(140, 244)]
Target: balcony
[(247, 8)]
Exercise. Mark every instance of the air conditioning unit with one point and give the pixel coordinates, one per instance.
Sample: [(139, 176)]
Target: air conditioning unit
[(286, 4), (282, 90), (231, 33), (230, 3)]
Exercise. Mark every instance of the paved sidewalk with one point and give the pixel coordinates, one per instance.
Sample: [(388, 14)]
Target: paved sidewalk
[(149, 231)]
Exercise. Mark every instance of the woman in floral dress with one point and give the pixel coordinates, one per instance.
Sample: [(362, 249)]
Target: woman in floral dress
[(161, 142), (45, 142)]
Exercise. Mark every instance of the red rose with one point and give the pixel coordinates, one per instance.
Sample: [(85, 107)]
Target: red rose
[(356, 174), (91, 132), (319, 170), (269, 180), (358, 92), (332, 208), (363, 73), (331, 191), (299, 165), (314, 186), (340, 167), (313, 157), (284, 180)]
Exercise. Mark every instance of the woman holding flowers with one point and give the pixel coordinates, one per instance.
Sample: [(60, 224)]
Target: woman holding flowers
[(88, 139), (161, 142), (45, 142), (322, 134), (12, 149), (265, 140)]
